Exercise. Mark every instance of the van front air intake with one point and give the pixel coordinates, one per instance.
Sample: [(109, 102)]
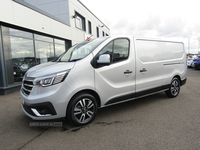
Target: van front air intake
[(27, 86)]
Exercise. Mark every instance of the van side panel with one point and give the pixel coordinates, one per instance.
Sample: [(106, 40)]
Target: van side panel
[(174, 61), (157, 63), (149, 68)]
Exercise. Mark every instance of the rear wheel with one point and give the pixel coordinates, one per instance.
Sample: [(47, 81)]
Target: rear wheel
[(174, 88), (82, 109)]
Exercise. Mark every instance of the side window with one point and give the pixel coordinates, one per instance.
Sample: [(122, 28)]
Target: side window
[(117, 49), (121, 50)]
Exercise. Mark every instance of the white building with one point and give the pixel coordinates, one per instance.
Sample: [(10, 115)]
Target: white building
[(37, 31)]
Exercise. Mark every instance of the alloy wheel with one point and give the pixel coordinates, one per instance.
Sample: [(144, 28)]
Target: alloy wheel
[(175, 87), (84, 110)]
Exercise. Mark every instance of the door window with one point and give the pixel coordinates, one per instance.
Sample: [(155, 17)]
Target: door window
[(117, 49), (121, 50), (108, 49)]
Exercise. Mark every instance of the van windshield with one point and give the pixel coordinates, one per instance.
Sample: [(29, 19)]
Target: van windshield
[(81, 50)]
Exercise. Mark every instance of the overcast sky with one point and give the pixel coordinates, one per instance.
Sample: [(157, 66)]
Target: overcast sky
[(170, 19)]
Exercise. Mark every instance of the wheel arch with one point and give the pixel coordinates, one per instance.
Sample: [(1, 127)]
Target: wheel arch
[(177, 76), (89, 91)]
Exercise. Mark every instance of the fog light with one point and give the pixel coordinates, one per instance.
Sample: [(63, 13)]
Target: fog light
[(40, 114)]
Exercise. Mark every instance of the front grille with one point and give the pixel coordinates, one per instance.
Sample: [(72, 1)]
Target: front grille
[(27, 86)]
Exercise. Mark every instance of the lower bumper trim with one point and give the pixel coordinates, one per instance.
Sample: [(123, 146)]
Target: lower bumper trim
[(183, 81), (45, 109)]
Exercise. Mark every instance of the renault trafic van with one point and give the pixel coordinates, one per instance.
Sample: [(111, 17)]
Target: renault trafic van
[(101, 72)]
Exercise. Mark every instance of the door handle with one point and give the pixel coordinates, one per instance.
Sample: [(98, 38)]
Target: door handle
[(127, 72), (143, 70)]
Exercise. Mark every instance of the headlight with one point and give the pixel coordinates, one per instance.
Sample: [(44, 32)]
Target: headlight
[(51, 79)]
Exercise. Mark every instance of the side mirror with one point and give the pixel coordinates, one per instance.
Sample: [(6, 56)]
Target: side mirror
[(104, 59)]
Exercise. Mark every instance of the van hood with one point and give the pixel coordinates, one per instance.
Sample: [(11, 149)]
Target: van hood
[(49, 68)]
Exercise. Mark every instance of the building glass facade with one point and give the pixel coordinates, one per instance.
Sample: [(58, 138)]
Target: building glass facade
[(21, 50), (23, 44)]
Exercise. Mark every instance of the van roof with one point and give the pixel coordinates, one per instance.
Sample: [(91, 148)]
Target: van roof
[(148, 38)]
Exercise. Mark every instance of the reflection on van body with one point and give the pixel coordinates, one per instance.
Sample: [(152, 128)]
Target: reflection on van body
[(101, 72)]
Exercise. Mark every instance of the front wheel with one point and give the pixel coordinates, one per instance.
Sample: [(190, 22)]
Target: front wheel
[(82, 109), (174, 88)]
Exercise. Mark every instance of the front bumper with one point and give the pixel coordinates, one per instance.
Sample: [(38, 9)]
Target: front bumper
[(39, 110), (46, 103)]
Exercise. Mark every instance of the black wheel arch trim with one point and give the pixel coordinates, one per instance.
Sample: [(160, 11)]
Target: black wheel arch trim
[(183, 81)]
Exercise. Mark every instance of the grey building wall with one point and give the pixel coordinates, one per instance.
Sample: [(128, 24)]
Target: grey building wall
[(57, 8)]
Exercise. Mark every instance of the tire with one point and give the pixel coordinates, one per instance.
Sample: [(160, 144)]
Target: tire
[(174, 88), (82, 109)]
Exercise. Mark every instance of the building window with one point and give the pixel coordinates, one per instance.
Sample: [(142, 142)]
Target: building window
[(59, 47), (89, 27), (18, 53), (80, 21), (44, 49), (23, 50), (97, 32)]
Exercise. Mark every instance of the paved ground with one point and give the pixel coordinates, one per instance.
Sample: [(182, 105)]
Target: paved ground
[(154, 122)]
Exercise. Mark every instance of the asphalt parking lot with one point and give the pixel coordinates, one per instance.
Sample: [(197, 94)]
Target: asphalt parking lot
[(154, 122)]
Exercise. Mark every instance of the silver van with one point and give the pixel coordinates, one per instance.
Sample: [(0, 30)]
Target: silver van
[(101, 72)]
